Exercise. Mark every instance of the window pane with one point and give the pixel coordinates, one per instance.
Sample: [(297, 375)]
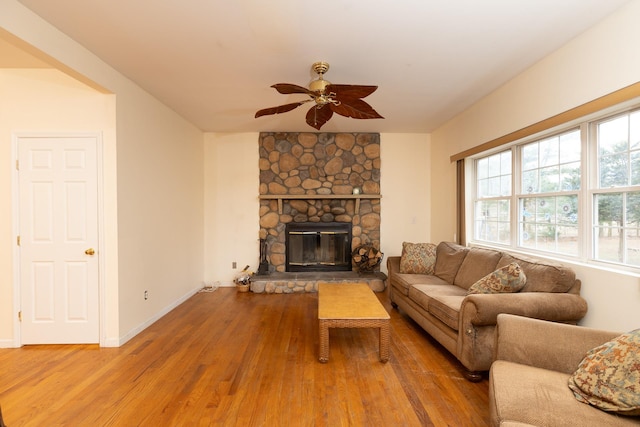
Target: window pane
[(617, 236), (612, 135), (635, 168), (633, 209), (634, 130), (570, 147), (493, 187), (494, 165), (494, 175), (570, 176), (567, 210), (530, 181), (549, 152), (633, 246), (607, 237), (609, 209), (504, 213), (505, 162), (505, 185), (483, 188), (546, 209), (550, 224), (552, 165), (633, 230), (528, 236), (613, 170), (549, 179), (482, 166), (530, 156), (568, 240), (492, 221)]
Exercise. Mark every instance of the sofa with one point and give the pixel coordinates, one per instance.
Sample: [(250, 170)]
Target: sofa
[(436, 295), (528, 382)]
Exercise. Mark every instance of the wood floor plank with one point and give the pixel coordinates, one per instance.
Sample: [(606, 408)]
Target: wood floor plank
[(241, 359)]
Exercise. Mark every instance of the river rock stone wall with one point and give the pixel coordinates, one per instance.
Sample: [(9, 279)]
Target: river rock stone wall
[(311, 164)]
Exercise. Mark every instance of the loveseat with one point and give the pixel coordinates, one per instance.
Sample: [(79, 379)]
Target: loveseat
[(528, 382), (435, 293)]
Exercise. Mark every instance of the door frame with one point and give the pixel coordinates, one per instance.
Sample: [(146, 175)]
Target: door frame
[(16, 136)]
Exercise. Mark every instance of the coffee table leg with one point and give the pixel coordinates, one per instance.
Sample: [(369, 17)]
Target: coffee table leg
[(384, 342), (324, 342)]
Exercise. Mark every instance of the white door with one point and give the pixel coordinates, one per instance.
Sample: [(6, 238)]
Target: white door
[(58, 232)]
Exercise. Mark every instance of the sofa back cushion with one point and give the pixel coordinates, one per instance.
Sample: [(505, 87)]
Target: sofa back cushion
[(542, 276), (449, 257), (477, 264)]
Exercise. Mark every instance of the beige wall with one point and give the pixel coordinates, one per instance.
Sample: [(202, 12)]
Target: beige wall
[(406, 191), (153, 185), (597, 62), (232, 206)]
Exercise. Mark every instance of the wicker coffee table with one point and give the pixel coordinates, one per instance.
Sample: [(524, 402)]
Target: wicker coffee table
[(350, 305)]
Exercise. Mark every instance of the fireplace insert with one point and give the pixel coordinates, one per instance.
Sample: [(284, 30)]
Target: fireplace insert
[(312, 246)]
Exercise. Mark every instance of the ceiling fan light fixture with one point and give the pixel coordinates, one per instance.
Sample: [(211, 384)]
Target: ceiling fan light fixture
[(345, 100)]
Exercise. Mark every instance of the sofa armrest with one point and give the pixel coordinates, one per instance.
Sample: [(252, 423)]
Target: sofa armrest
[(483, 309), (393, 265), (548, 345)]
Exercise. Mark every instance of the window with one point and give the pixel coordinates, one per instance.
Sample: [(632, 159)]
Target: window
[(548, 199), (541, 194), (616, 201), (493, 204)]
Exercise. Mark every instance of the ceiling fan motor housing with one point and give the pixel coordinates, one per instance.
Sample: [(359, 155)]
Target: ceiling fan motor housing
[(319, 85)]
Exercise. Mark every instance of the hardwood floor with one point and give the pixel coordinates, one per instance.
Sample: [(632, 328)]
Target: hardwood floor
[(226, 358)]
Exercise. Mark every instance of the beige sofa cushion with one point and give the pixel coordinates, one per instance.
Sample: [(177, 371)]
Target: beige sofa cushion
[(441, 301), (446, 308), (541, 397), (477, 264), (449, 257), (402, 282), (542, 276)]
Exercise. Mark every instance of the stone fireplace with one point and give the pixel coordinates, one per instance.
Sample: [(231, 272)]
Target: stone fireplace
[(310, 178)]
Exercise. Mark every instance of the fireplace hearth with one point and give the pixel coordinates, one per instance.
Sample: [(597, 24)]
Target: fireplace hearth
[(314, 246)]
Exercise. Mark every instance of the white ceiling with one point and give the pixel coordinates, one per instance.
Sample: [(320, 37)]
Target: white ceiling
[(213, 61)]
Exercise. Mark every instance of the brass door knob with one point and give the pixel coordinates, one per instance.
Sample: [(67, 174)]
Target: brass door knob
[(90, 251)]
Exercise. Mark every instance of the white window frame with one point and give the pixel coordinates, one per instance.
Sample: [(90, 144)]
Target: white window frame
[(588, 188)]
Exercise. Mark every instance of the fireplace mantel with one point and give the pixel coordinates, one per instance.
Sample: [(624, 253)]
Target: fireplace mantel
[(281, 197)]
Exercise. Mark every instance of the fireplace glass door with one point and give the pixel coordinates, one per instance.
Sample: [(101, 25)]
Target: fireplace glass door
[(318, 246)]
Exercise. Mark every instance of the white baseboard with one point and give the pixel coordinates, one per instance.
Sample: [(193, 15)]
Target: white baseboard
[(8, 344), (135, 331)]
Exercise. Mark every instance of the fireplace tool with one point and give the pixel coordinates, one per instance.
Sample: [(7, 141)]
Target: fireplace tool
[(263, 268)]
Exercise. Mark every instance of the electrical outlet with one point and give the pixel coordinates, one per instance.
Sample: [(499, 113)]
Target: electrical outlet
[(234, 265), (146, 295)]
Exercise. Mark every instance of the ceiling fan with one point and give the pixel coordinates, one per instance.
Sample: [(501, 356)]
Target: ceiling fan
[(329, 98)]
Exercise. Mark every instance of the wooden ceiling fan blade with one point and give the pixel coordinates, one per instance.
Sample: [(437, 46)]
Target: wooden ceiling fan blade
[(351, 91), (356, 108), (289, 88), (279, 109), (318, 116)]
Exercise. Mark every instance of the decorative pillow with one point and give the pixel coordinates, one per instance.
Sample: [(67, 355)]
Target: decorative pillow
[(418, 258), (507, 279), (609, 376)]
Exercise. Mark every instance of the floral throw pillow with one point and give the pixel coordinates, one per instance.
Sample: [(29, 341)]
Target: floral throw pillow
[(507, 279), (609, 376), (418, 258)]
